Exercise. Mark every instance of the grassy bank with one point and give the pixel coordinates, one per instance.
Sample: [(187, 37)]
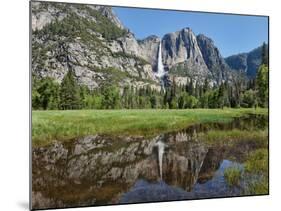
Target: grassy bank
[(235, 136), (48, 126)]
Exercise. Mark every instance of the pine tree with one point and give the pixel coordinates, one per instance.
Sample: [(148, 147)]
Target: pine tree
[(153, 101), (111, 97), (262, 83), (265, 54), (206, 86), (221, 96), (196, 90), (45, 93), (181, 100), (69, 93), (173, 94)]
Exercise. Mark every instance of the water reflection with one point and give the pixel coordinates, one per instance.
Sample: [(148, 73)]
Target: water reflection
[(160, 150), (97, 170)]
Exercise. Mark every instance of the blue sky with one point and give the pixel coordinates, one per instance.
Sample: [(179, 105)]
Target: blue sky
[(232, 34)]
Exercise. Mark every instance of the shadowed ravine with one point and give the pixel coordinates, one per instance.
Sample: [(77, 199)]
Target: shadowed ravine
[(98, 169)]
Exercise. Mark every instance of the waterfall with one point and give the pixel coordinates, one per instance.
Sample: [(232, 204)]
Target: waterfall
[(161, 149), (160, 66)]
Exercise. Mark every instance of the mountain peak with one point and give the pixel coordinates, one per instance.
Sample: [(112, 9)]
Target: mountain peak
[(214, 61), (151, 37), (109, 13), (246, 62), (186, 29), (182, 56), (204, 38)]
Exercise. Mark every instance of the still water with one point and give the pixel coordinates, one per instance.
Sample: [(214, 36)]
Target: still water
[(98, 169)]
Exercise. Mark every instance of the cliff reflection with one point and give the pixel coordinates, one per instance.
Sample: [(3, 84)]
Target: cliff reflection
[(108, 170)]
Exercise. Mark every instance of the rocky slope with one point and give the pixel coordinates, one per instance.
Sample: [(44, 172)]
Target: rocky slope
[(91, 41), (246, 62)]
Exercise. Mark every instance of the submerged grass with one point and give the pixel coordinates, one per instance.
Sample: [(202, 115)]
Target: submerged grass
[(232, 176), (48, 126)]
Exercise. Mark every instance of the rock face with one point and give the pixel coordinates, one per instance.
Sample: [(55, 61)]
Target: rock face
[(246, 62), (148, 49), (218, 68), (108, 13), (182, 55), (238, 62), (42, 16), (188, 56)]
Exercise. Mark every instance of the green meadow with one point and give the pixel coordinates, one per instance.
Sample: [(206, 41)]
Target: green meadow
[(51, 125)]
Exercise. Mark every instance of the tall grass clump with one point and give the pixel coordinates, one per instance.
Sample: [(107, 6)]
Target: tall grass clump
[(232, 176)]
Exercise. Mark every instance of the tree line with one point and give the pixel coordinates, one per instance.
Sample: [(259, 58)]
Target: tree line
[(48, 94)]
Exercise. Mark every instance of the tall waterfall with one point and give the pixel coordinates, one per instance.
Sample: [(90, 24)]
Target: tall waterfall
[(160, 66)]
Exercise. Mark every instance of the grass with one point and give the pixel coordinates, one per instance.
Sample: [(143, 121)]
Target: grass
[(257, 162), (258, 188), (48, 126), (232, 176)]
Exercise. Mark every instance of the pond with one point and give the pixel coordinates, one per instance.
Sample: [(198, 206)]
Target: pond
[(100, 170)]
